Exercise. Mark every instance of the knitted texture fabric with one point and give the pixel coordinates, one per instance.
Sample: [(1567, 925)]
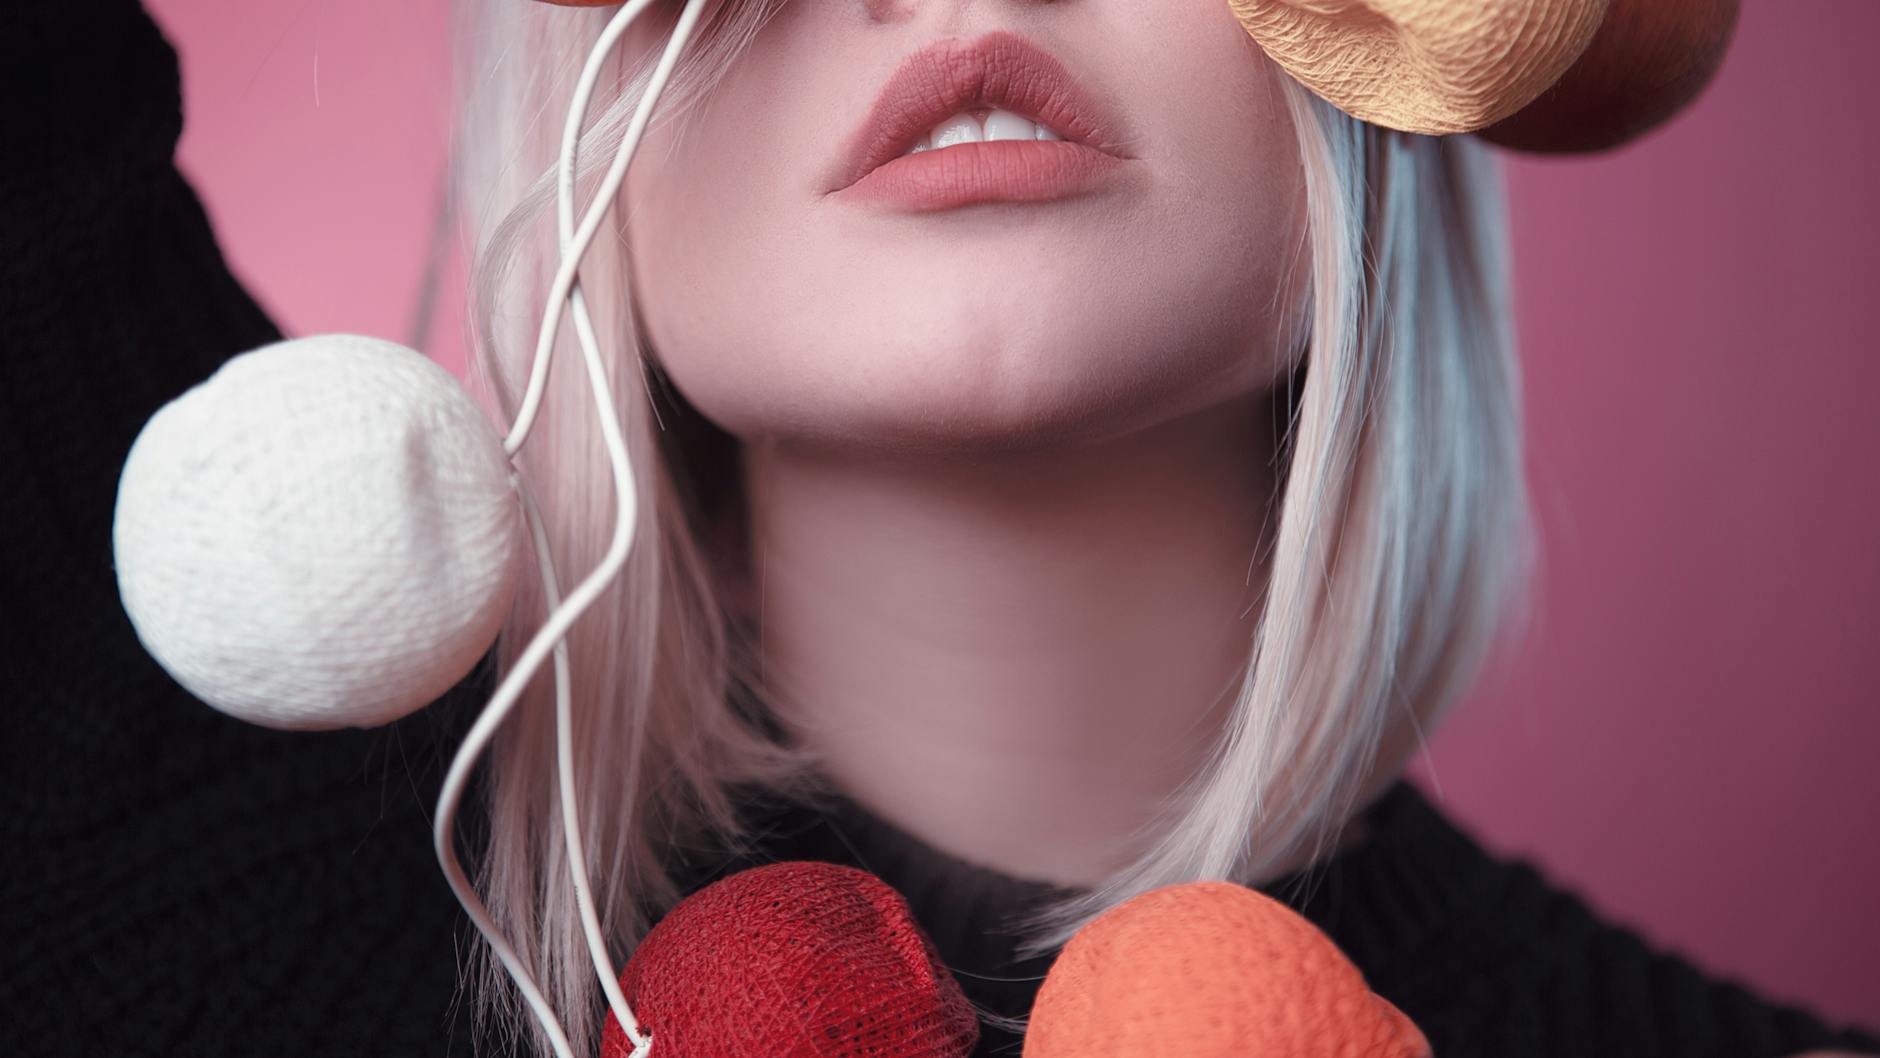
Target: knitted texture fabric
[(793, 960), (1430, 66), (321, 535), (175, 882), (1211, 970)]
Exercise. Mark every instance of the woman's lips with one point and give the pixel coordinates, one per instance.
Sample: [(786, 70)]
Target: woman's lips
[(996, 70), (988, 171)]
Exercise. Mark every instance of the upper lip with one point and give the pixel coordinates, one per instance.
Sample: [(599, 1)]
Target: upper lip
[(999, 69)]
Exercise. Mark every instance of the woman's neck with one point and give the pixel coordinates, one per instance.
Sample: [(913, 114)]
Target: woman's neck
[(1015, 657)]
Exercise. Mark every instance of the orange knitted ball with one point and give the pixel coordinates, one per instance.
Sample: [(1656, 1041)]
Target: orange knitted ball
[(1211, 970)]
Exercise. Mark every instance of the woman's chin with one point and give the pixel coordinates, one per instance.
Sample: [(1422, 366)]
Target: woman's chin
[(931, 410)]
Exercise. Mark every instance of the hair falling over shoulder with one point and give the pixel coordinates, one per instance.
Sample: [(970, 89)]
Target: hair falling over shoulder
[(1403, 541)]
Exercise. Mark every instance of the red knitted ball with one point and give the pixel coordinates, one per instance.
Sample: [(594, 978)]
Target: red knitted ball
[(793, 960)]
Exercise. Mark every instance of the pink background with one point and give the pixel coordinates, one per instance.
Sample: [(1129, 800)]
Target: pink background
[(1687, 738)]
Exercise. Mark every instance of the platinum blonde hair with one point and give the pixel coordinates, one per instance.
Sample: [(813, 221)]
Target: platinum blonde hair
[(1403, 535)]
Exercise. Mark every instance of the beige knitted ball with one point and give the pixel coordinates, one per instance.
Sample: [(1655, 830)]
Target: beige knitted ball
[(323, 534), (1428, 66)]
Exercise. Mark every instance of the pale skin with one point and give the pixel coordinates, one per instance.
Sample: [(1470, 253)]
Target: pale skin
[(1008, 466)]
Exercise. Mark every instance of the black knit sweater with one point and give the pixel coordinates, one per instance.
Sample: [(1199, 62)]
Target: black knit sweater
[(177, 883)]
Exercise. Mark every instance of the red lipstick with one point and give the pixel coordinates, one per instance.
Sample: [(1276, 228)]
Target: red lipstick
[(999, 70)]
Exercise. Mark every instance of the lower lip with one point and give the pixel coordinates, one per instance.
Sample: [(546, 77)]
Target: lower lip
[(987, 171)]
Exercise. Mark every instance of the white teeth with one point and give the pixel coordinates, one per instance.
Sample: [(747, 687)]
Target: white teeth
[(1005, 125), (960, 128), (999, 125)]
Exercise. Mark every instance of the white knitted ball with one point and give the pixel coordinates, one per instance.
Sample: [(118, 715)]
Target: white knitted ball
[(323, 534)]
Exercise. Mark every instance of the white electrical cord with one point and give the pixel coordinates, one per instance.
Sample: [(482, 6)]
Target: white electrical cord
[(563, 613)]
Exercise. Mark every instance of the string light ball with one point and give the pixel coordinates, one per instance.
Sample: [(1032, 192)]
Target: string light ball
[(1428, 66), (323, 534), (793, 960), (1211, 970)]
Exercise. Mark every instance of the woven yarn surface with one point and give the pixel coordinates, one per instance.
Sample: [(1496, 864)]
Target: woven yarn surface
[(1211, 970), (793, 960), (1428, 66), (322, 534)]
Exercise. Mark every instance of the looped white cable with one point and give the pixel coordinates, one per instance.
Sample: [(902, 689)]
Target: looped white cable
[(563, 613)]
